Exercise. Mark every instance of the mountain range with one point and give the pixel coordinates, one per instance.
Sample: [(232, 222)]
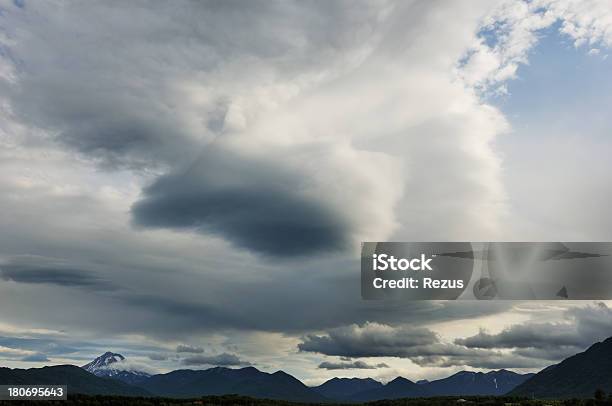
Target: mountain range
[(105, 376), (111, 374), (462, 383)]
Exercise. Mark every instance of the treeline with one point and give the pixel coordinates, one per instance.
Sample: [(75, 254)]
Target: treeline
[(232, 400), (491, 401)]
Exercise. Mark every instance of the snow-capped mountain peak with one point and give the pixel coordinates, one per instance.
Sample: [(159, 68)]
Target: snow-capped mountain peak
[(113, 365), (103, 362)]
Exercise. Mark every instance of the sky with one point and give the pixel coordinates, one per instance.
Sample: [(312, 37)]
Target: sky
[(188, 184)]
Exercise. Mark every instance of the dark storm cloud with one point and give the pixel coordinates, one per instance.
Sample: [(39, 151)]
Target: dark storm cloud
[(582, 327), (537, 335), (421, 346), (189, 348), (351, 365), (369, 340), (224, 359), (250, 203), (479, 359), (53, 275)]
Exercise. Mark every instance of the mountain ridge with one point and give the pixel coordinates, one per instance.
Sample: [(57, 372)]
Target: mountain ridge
[(397, 388), (576, 376), (77, 379), (465, 383), (343, 388), (247, 381)]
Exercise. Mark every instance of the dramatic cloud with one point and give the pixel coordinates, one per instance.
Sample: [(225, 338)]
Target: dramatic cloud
[(421, 346), (162, 106), (351, 365), (525, 335), (268, 105), (257, 211), (369, 340), (224, 359), (581, 328)]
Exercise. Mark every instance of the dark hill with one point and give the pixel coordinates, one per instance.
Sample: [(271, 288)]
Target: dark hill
[(221, 381), (476, 383), (77, 379), (577, 376), (344, 388), (395, 389)]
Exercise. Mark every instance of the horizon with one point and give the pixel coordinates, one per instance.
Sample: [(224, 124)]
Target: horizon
[(280, 370), (131, 368)]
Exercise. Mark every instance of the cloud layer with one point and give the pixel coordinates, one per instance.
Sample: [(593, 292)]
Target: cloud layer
[(223, 360), (351, 365), (528, 345), (581, 328)]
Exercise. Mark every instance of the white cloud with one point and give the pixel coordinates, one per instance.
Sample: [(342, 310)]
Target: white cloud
[(514, 28)]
